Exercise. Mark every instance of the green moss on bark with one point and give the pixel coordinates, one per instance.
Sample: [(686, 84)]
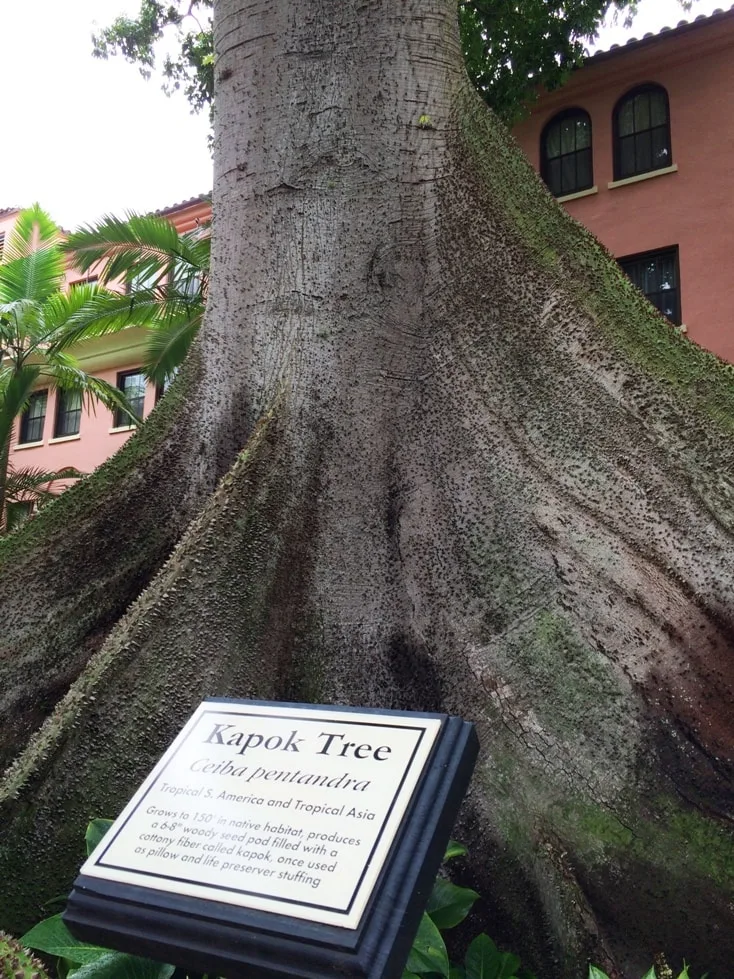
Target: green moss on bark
[(175, 647), (54, 619), (557, 243), (680, 841)]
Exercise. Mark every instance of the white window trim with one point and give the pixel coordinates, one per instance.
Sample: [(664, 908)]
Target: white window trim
[(64, 438), (673, 168), (20, 446), (122, 428), (579, 193)]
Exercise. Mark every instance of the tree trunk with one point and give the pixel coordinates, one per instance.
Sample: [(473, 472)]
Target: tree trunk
[(4, 463), (481, 476)]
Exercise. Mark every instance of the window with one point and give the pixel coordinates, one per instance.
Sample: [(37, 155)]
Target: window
[(565, 153), (32, 419), (132, 385), (68, 414), (656, 274), (17, 514), (89, 281), (150, 278), (642, 132), (162, 389), (190, 285)]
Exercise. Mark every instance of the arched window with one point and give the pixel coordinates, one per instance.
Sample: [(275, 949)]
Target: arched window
[(565, 153), (656, 275), (642, 132)]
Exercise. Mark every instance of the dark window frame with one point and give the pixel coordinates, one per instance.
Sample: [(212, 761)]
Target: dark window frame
[(153, 279), (546, 160), (122, 420), (640, 258), (17, 512), (617, 138), (161, 389), (28, 424), (62, 423)]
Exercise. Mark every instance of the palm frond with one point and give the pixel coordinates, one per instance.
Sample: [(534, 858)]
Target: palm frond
[(20, 323), (32, 265), (63, 371), (33, 230), (87, 311), (167, 345), (32, 277), (145, 247), (32, 483), (16, 386), (199, 247), (174, 305), (107, 312), (111, 397)]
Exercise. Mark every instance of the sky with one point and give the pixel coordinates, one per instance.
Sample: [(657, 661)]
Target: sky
[(86, 137)]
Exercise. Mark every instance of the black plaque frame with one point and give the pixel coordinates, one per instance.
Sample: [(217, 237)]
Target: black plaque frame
[(208, 936)]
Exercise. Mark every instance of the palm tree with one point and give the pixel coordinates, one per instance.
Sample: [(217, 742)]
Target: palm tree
[(165, 276), (39, 323)]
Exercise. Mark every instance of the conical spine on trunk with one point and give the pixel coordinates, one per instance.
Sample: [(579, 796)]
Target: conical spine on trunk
[(17, 962)]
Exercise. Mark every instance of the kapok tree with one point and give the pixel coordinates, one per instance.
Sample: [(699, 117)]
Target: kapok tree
[(431, 451)]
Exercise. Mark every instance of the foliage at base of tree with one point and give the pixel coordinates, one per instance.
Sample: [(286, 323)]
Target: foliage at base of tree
[(448, 905)]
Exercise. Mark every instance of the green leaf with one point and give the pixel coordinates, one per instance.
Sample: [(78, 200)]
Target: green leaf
[(95, 831), (409, 975), (449, 904), (16, 386), (59, 899), (650, 974), (32, 266), (595, 973), (118, 965), (483, 959), (168, 343), (457, 972), (64, 968), (455, 849), (509, 964), (428, 953), (525, 974), (53, 937)]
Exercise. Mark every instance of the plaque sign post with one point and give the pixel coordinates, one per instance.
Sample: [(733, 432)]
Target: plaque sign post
[(281, 839)]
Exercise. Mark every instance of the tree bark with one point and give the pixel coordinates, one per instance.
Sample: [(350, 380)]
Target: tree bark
[(478, 474), (4, 463)]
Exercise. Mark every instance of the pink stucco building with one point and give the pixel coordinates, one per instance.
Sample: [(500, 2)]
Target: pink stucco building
[(57, 431), (639, 147)]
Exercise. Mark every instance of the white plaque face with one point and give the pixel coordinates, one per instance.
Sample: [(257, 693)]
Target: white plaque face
[(284, 809)]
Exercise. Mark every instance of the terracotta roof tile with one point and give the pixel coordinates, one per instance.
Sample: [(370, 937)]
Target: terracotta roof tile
[(183, 204), (681, 27)]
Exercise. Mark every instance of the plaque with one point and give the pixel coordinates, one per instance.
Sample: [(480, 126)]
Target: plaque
[(286, 838)]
